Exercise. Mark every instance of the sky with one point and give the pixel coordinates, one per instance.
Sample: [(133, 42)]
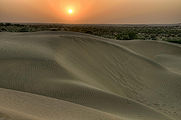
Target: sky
[(91, 11)]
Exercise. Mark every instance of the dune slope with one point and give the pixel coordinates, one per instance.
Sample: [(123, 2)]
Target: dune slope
[(100, 78)]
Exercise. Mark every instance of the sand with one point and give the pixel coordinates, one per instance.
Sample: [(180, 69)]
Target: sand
[(74, 76)]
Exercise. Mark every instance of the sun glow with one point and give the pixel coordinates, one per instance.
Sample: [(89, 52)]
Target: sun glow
[(70, 11)]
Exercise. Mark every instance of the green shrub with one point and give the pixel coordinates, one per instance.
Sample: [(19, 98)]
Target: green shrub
[(174, 40), (24, 29), (3, 30)]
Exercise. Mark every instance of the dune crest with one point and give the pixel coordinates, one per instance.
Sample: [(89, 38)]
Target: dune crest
[(60, 73)]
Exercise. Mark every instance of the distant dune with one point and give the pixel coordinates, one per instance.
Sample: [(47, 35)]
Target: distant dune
[(74, 76)]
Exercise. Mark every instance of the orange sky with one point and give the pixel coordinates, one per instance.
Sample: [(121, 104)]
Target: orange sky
[(91, 11)]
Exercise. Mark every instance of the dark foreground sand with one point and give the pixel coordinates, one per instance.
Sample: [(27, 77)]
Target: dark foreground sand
[(73, 76)]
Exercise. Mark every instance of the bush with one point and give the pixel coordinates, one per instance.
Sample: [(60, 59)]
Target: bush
[(153, 37), (3, 30), (126, 36), (132, 36), (174, 40), (23, 30), (179, 35), (1, 24), (7, 24), (89, 32)]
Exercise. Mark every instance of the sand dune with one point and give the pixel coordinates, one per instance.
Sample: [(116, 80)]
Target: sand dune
[(73, 76)]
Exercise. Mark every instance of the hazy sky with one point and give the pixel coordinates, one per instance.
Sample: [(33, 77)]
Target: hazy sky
[(91, 11)]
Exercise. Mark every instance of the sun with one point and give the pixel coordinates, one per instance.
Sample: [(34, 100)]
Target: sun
[(70, 11)]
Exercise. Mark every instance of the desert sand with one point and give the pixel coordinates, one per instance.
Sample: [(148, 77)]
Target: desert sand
[(74, 76)]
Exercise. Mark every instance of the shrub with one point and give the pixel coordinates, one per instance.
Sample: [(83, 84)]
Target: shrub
[(24, 29), (7, 24), (132, 36), (3, 30)]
